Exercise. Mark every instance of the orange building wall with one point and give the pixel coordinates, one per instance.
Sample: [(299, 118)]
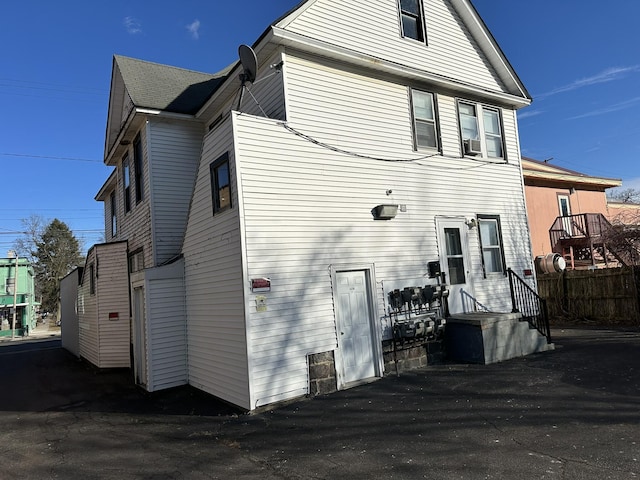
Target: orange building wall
[(624, 213), (543, 209)]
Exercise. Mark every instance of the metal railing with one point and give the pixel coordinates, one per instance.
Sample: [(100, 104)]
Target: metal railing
[(593, 229), (586, 225), (526, 301)]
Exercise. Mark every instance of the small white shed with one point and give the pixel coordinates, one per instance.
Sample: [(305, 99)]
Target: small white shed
[(70, 332), (103, 307)]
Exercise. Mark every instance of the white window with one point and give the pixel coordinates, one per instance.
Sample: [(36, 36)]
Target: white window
[(114, 214), (424, 120), (126, 182), (491, 243), (412, 19), (481, 130)]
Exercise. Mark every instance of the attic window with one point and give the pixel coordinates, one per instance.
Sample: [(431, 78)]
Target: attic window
[(412, 19)]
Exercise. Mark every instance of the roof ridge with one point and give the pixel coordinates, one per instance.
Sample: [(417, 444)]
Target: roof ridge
[(218, 74)]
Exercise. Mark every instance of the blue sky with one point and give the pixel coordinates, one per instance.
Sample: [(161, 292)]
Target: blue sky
[(579, 60)]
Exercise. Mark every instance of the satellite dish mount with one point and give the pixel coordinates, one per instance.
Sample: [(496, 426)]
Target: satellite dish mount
[(249, 63)]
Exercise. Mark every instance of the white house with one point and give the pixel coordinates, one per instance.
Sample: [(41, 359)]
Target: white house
[(253, 243)]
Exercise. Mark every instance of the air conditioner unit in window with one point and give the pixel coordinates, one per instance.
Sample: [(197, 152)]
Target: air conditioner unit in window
[(472, 147)]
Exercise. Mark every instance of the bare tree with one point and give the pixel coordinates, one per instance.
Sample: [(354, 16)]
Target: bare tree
[(32, 227), (627, 195)]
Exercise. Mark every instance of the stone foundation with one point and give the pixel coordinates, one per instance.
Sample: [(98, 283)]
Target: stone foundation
[(322, 374), (411, 356)]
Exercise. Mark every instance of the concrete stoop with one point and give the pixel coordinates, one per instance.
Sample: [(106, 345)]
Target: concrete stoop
[(492, 337)]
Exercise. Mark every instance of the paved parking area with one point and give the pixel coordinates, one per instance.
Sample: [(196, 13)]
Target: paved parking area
[(572, 413)]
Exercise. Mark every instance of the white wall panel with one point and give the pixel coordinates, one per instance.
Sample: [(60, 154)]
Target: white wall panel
[(166, 326), (216, 331), (373, 28)]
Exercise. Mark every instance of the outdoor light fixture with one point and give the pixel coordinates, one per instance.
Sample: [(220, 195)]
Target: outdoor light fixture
[(384, 212)]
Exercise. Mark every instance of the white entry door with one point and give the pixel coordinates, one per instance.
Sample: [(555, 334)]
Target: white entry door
[(454, 263), (139, 343), (354, 323)]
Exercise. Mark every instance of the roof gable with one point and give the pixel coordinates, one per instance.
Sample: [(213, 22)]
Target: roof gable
[(166, 88), (459, 45), (138, 84)]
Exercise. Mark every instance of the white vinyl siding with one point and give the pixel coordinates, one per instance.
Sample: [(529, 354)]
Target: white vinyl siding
[(267, 93), (70, 335), (88, 315), (105, 341), (306, 208), (216, 329), (451, 51), (112, 288), (166, 327), (135, 225), (174, 153)]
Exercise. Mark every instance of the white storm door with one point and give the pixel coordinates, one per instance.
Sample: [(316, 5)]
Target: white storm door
[(564, 207), (139, 343), (454, 262), (354, 327)]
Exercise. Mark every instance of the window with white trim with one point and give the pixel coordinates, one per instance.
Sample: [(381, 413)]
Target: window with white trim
[(137, 163), (490, 233), (425, 131), (114, 214), (481, 130), (126, 182), (412, 19)]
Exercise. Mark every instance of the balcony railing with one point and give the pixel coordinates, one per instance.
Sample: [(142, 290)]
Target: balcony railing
[(590, 231)]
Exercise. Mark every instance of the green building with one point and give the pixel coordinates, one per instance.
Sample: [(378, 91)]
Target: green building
[(17, 284)]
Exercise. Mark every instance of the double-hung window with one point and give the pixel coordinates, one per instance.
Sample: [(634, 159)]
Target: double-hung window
[(126, 181), (137, 166), (114, 215), (221, 184), (425, 132), (491, 243), (481, 130), (412, 19), (492, 132)]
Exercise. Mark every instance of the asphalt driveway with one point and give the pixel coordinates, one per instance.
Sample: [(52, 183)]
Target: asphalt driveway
[(572, 413)]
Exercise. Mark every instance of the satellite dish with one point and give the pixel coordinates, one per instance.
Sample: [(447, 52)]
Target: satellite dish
[(249, 63), (249, 69)]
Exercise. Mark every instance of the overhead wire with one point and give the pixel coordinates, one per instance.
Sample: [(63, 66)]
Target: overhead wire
[(49, 157), (343, 151)]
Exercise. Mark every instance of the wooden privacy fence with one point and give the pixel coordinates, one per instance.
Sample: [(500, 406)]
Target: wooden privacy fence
[(608, 296)]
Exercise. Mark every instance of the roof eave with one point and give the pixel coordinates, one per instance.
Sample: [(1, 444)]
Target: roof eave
[(336, 52), (571, 179)]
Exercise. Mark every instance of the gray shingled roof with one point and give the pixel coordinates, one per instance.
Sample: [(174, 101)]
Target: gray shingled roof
[(166, 88)]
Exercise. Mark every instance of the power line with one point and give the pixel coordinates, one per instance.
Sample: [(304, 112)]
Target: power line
[(48, 86), (50, 157)]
